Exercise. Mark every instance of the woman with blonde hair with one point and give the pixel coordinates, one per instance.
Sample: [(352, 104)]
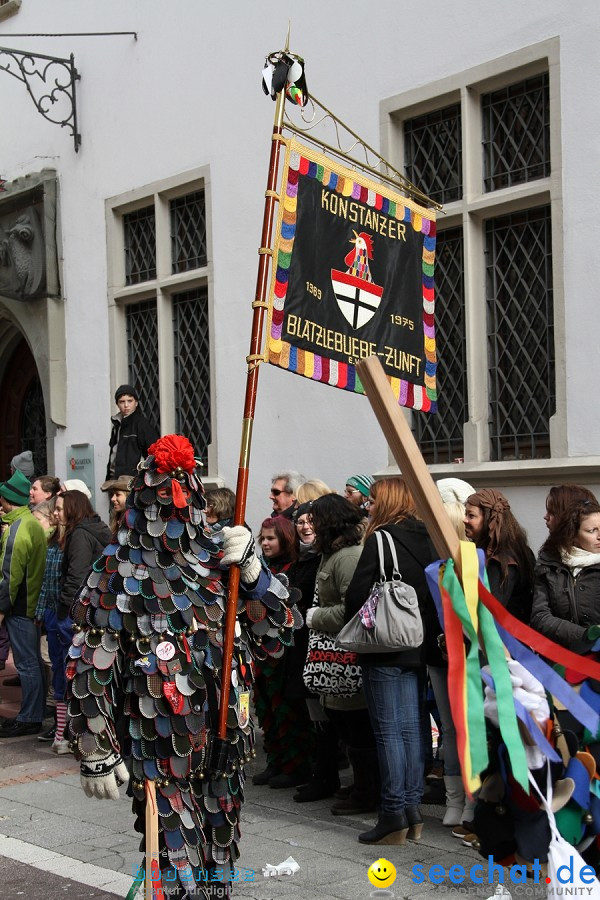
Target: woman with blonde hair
[(311, 490), (392, 681)]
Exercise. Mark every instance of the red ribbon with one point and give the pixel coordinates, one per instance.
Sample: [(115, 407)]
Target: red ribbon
[(542, 645)]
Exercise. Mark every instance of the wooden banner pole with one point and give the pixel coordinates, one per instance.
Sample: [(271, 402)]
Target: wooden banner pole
[(260, 305), (153, 886), (409, 458)]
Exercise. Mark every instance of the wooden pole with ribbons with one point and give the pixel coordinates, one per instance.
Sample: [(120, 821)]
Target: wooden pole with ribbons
[(254, 357), (409, 458)]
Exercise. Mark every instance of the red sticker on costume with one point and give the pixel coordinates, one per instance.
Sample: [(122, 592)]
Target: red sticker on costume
[(175, 699)]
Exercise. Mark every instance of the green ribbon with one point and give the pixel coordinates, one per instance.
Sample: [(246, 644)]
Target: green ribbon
[(476, 734)]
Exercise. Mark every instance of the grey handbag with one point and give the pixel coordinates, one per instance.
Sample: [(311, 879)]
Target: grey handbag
[(397, 619)]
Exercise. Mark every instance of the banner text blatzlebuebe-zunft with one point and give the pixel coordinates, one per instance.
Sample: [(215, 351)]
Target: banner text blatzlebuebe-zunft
[(352, 277)]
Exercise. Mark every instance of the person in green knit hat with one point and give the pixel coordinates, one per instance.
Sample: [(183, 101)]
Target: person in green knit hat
[(22, 561)]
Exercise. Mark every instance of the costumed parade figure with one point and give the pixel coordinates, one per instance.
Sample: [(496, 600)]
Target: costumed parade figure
[(145, 668)]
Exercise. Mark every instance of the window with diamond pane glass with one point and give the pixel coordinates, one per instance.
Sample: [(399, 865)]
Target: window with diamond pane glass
[(192, 368), (520, 334), (139, 232), (440, 434), (433, 153), (142, 356), (188, 232), (516, 133)]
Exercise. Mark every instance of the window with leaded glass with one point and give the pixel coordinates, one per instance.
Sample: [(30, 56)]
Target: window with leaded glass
[(142, 356), (516, 133), (440, 434), (188, 232), (433, 153), (139, 233), (192, 368), (522, 393)]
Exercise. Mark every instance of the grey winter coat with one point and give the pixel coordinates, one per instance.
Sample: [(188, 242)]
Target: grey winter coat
[(333, 577), (564, 607)]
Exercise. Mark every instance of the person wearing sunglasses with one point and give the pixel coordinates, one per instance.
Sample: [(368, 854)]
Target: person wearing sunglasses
[(283, 493)]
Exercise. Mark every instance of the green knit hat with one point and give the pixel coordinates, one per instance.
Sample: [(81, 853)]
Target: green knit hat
[(16, 489), (360, 483)]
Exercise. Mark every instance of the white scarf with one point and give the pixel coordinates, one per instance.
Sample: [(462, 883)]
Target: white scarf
[(578, 559)]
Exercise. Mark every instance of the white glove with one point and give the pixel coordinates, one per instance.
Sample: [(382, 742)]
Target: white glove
[(309, 615), (102, 774), (238, 549)]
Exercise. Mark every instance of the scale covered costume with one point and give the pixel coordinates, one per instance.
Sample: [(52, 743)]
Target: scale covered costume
[(145, 666)]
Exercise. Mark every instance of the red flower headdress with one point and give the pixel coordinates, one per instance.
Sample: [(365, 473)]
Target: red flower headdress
[(173, 453)]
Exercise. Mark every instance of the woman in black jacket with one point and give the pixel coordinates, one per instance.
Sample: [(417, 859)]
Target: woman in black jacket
[(85, 537), (566, 593), (392, 680)]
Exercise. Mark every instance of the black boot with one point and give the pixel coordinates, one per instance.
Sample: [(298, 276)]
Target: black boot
[(364, 795), (265, 776), (324, 780), (415, 823), (388, 830)]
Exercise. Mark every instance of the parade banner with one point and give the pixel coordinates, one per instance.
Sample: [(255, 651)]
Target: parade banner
[(352, 276)]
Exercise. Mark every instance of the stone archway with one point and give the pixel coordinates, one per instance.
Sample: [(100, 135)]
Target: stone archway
[(22, 412)]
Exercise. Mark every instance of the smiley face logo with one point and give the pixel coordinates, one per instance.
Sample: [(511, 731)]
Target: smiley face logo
[(382, 873)]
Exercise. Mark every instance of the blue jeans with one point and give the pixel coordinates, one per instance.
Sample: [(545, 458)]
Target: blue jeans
[(25, 642), (393, 699), (60, 635)]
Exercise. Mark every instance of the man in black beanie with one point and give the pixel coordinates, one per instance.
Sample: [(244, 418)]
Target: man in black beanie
[(131, 434)]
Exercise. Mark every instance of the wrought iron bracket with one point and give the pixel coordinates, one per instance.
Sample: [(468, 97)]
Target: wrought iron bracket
[(53, 93)]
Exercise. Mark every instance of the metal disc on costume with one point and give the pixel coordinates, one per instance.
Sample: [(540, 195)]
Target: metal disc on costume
[(103, 659), (147, 707), (97, 724)]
